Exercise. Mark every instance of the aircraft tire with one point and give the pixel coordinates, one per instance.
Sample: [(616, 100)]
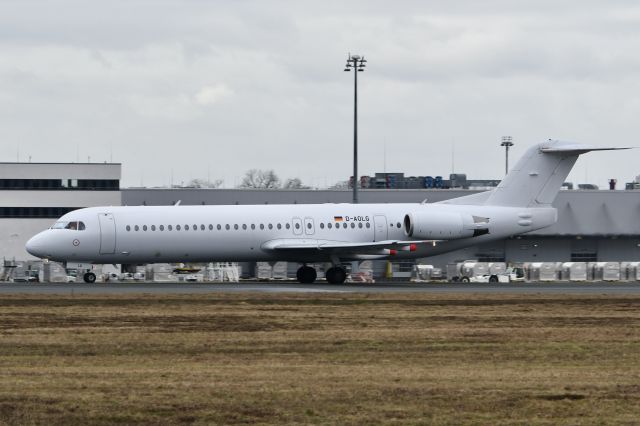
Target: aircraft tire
[(464, 279), (89, 278), (336, 275), (306, 275), (493, 279)]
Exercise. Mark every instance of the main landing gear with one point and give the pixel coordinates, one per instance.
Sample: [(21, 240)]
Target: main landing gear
[(89, 278), (306, 274), (334, 275)]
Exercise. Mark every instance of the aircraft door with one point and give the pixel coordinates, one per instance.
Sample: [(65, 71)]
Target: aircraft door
[(309, 227), (296, 222), (107, 233), (380, 227)]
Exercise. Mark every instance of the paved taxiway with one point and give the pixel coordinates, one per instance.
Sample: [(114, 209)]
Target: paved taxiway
[(279, 287)]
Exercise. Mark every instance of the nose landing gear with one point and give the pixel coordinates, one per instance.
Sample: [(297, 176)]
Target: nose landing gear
[(89, 278)]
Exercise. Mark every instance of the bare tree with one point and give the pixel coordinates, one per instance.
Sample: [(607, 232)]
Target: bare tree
[(294, 183), (265, 179), (344, 184), (203, 183)]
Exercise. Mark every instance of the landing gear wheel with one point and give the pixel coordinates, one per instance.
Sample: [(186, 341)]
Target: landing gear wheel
[(464, 279), (493, 279), (335, 275), (89, 278), (306, 275)]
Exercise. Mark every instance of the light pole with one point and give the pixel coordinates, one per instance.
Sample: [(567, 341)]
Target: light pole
[(507, 141), (357, 64)]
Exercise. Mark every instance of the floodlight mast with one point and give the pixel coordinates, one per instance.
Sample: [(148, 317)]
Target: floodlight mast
[(357, 64), (507, 142)]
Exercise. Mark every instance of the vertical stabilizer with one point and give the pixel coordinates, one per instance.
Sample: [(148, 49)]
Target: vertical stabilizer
[(537, 177)]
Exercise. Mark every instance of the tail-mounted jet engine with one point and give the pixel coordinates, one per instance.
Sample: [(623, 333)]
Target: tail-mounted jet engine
[(427, 225)]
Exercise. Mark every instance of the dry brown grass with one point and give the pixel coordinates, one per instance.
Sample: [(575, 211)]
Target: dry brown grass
[(320, 359)]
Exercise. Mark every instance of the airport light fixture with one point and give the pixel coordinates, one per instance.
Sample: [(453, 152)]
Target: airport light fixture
[(357, 64), (507, 141)]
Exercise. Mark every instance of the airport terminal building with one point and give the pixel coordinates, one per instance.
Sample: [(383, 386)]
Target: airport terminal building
[(593, 225)]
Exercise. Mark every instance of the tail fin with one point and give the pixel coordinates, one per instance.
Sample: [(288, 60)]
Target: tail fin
[(537, 177)]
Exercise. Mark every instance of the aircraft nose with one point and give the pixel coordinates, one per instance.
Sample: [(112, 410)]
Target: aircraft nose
[(35, 245)]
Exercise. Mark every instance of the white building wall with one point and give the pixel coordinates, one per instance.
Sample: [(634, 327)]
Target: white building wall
[(63, 198), (15, 232), (110, 171)]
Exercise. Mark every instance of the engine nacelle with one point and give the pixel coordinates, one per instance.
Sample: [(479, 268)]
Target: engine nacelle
[(427, 225)]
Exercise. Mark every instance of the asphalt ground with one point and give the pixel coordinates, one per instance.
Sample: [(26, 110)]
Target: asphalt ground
[(626, 288)]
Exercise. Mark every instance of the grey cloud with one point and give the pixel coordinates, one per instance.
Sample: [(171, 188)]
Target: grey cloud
[(221, 87)]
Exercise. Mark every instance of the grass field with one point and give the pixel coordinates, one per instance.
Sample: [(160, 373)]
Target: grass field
[(320, 359)]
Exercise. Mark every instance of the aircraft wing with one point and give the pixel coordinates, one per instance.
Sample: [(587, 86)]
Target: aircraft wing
[(383, 248)]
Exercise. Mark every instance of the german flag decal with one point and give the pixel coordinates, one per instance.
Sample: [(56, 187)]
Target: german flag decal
[(337, 218)]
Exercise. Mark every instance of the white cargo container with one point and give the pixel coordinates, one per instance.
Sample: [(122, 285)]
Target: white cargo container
[(264, 271), (279, 271), (542, 271), (574, 271), (630, 271), (606, 271), (423, 273)]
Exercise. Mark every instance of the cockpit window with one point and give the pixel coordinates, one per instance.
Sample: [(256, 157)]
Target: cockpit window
[(59, 225), (74, 226)]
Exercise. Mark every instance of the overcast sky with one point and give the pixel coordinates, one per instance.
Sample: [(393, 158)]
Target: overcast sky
[(199, 89)]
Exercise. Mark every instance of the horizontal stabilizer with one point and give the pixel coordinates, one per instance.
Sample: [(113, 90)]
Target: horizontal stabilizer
[(576, 148)]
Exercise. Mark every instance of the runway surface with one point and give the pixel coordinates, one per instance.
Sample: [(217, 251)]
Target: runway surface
[(280, 287)]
